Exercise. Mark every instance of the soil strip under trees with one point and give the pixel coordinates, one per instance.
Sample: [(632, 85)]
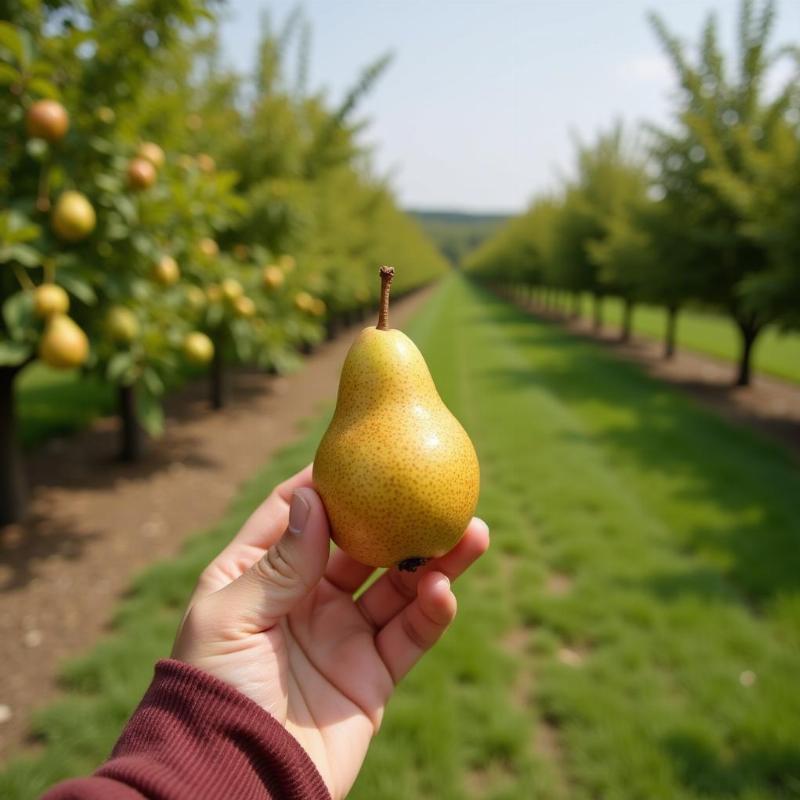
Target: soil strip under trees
[(95, 522)]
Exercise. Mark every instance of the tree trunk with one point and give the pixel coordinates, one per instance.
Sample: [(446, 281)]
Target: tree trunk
[(749, 332), (131, 434), (331, 327), (597, 311), (13, 492), (627, 320), (672, 327), (217, 379)]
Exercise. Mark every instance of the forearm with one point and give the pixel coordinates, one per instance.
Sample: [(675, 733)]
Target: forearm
[(193, 737)]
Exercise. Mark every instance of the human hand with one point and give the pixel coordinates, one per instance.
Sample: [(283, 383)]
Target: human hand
[(274, 616)]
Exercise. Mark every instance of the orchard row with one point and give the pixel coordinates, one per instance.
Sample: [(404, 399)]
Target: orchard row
[(705, 212), (161, 214)]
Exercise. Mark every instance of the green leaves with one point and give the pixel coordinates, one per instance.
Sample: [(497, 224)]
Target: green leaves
[(11, 43), (18, 313), (12, 354), (151, 414)]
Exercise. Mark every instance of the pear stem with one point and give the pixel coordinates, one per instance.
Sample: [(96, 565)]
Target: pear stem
[(386, 273)]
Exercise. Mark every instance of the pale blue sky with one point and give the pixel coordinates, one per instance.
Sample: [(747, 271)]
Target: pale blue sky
[(476, 110)]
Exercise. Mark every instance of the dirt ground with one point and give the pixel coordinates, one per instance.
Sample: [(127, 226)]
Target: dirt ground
[(769, 405), (96, 522)]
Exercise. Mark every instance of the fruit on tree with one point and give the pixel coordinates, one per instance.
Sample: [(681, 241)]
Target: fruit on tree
[(244, 307), (141, 174), (231, 289), (73, 217), (303, 301), (48, 120), (195, 297), (151, 152), (63, 344), (208, 247), (272, 277), (166, 271), (49, 299), (106, 115), (198, 348), (122, 325), (206, 163)]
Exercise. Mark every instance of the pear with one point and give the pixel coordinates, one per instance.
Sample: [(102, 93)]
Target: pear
[(166, 271), (73, 217), (397, 473), (151, 152), (49, 299), (122, 325), (48, 120), (141, 174), (198, 348), (63, 345)]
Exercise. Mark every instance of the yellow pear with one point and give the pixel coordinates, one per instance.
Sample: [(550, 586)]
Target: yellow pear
[(73, 217), (397, 473), (244, 307), (231, 289), (198, 348), (151, 152), (122, 325), (49, 299), (166, 271), (63, 345), (272, 277)]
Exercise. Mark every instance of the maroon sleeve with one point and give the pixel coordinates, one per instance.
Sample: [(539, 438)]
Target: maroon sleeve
[(193, 737)]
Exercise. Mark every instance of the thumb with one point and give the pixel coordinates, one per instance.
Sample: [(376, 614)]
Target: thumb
[(283, 576)]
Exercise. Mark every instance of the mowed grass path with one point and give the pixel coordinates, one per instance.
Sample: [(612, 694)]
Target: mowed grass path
[(634, 632), (776, 352)]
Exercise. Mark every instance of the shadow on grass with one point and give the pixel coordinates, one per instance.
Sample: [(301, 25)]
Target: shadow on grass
[(750, 485), (701, 768)]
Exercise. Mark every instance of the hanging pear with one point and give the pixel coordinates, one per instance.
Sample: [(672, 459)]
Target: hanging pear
[(397, 473)]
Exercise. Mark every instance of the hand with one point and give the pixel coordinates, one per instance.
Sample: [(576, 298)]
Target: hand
[(274, 616)]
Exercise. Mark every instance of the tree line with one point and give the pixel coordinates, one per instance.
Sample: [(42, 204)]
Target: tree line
[(161, 213), (702, 211)]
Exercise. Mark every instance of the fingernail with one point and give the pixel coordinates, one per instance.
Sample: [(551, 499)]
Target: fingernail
[(298, 513), (443, 581)]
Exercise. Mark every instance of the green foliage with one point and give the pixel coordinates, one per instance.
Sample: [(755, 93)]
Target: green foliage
[(711, 216), (281, 180)]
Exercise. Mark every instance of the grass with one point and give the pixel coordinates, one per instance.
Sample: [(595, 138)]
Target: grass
[(776, 353), (53, 402), (634, 631)]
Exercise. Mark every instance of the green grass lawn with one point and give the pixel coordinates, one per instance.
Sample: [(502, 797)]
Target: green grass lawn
[(634, 632), (52, 402), (775, 353)]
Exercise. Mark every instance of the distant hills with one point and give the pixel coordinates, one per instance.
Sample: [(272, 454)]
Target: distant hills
[(457, 233)]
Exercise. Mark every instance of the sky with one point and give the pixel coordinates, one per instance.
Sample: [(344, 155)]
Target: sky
[(479, 108)]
